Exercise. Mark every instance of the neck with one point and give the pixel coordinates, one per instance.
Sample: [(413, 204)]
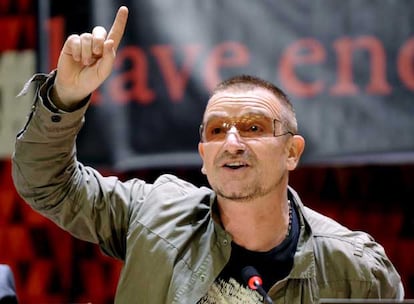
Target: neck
[(257, 225)]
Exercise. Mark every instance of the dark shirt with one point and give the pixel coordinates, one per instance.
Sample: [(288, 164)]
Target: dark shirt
[(272, 265)]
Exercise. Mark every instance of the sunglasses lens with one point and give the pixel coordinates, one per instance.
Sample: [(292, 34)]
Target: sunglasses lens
[(248, 126)]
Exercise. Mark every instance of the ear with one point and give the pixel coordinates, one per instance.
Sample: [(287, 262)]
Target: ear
[(201, 153), (296, 146)]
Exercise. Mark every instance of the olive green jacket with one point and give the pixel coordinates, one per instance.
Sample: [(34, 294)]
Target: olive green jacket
[(168, 233)]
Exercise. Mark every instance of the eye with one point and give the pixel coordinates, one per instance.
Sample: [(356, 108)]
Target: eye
[(251, 128), (216, 130), (254, 128)]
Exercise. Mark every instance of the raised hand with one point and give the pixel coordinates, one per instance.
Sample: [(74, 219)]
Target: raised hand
[(85, 61)]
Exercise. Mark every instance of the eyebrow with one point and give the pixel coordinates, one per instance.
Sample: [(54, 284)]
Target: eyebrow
[(223, 114)]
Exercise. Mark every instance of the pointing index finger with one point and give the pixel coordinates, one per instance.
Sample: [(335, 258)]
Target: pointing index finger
[(118, 27)]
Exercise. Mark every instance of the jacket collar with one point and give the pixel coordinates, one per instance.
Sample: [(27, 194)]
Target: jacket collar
[(304, 260)]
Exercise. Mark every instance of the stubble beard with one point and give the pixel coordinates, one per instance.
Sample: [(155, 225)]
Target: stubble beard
[(248, 193)]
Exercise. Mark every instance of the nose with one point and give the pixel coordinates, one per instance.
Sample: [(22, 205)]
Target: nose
[(233, 142)]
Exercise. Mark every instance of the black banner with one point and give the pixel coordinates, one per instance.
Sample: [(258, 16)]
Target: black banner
[(346, 65)]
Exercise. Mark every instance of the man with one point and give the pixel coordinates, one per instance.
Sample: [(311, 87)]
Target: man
[(7, 286), (181, 243)]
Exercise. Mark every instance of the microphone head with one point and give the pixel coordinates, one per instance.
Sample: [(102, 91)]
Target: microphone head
[(248, 272), (251, 277)]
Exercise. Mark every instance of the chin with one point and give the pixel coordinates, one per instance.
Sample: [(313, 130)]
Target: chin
[(240, 196), (236, 198)]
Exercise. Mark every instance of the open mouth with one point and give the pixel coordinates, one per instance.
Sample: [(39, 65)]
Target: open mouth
[(235, 165)]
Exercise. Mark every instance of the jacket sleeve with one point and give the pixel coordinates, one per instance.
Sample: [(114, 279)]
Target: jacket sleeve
[(351, 264), (387, 282), (48, 176)]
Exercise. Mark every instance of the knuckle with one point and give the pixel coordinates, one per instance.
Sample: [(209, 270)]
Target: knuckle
[(98, 39), (86, 37), (98, 29), (73, 38)]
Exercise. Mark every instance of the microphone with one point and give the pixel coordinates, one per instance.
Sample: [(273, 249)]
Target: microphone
[(254, 281)]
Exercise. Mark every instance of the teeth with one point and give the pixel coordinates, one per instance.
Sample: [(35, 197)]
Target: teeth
[(235, 164)]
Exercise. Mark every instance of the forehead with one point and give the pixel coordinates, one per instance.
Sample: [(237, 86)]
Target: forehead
[(236, 102)]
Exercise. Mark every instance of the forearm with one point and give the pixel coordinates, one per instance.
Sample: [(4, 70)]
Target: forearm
[(45, 170), (48, 176), (44, 149)]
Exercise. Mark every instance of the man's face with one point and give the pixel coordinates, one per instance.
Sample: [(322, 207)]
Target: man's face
[(238, 165)]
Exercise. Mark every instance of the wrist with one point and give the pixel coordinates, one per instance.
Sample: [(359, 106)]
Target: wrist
[(57, 102)]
